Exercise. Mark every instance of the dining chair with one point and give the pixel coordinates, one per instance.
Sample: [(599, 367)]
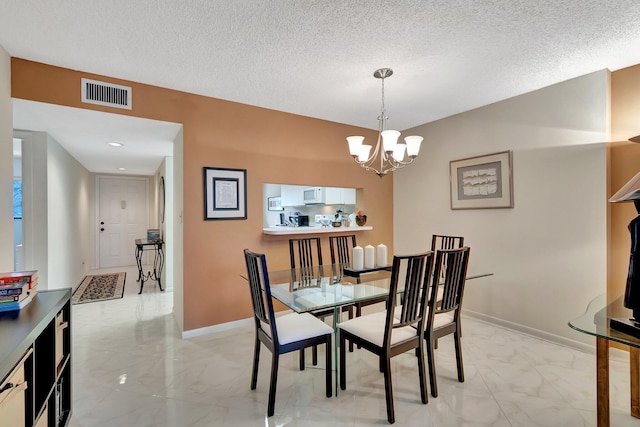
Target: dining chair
[(439, 241), (305, 255), (341, 248), (284, 334), (443, 315), (387, 333)]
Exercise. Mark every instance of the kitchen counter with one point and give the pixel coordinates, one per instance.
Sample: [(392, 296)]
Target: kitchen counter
[(279, 231)]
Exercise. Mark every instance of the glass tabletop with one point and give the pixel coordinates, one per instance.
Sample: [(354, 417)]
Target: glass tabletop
[(596, 320), (326, 286), (318, 287)]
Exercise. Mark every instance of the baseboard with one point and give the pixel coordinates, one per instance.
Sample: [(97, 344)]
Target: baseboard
[(191, 333), (222, 327), (537, 333)]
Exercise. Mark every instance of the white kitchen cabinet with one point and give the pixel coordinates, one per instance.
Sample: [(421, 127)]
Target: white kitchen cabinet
[(333, 196), (291, 195), (349, 196), (340, 196)]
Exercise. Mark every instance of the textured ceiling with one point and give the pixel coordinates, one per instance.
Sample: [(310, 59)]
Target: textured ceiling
[(316, 58)]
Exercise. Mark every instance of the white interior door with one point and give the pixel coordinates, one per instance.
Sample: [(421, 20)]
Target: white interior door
[(122, 218)]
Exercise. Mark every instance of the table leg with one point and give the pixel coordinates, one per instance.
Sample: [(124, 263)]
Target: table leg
[(139, 262), (336, 345), (634, 375), (602, 381), (158, 263)]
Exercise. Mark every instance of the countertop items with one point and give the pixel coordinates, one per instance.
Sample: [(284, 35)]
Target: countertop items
[(278, 230)]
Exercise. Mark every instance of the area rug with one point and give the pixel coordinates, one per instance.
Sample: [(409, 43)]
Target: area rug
[(99, 287)]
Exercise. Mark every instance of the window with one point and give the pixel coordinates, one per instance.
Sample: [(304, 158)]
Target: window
[(17, 199)]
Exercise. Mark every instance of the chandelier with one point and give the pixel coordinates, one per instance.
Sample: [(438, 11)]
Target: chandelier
[(389, 154)]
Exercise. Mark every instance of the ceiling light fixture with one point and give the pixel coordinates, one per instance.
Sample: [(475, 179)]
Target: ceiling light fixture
[(388, 153), (115, 144), (121, 169)]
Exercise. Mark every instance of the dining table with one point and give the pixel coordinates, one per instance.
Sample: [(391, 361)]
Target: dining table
[(314, 288)]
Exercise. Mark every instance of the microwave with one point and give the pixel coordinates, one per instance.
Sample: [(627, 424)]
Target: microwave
[(313, 195)]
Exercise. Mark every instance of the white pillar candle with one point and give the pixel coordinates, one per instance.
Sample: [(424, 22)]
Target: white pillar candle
[(358, 258), (369, 256), (381, 255)]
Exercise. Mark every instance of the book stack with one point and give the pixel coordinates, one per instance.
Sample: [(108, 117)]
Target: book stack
[(17, 289)]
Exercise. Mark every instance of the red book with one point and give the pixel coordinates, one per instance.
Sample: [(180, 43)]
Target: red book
[(18, 277)]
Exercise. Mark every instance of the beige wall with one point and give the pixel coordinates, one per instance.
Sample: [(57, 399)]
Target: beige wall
[(624, 159), (548, 253), (6, 163), (272, 146)]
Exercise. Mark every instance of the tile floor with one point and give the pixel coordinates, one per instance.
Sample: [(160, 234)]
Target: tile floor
[(131, 369)]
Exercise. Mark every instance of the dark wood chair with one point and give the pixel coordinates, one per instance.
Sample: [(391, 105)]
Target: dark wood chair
[(305, 256), (387, 333), (341, 248), (283, 334), (439, 241), (443, 315)]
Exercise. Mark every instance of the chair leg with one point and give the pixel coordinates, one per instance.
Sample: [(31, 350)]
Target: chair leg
[(432, 367), (350, 317), (314, 355), (458, 344), (422, 373), (256, 359), (272, 386), (302, 359), (343, 363), (328, 366), (388, 390)]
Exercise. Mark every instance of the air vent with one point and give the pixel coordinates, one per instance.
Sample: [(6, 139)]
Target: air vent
[(108, 94)]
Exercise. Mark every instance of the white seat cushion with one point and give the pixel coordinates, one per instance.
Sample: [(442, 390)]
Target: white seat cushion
[(294, 327), (371, 328), (442, 319)]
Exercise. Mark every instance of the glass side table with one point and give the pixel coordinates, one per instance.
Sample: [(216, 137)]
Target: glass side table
[(595, 322)]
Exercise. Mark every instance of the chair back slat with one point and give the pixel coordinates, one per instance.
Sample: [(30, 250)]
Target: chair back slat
[(260, 291), (413, 271), (341, 247), (453, 262), (305, 254), (439, 241)]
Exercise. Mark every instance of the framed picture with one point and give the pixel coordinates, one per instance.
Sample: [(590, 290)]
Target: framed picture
[(274, 204), (482, 182), (225, 193)]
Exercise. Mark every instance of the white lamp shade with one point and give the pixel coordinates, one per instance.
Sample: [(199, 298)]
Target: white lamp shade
[(398, 152), (413, 145), (363, 154), (389, 139), (355, 142)]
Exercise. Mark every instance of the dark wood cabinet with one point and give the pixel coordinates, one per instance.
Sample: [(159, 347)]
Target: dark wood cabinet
[(37, 342)]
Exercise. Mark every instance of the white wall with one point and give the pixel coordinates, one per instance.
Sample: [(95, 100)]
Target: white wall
[(6, 163), (548, 253), (68, 184)]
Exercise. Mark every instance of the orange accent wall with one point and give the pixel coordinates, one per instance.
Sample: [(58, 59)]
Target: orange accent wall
[(273, 146), (624, 163)]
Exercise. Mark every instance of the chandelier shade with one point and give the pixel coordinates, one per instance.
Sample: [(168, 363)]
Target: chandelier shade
[(388, 154)]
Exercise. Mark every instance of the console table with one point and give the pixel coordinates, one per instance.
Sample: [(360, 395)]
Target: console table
[(158, 261), (595, 322)]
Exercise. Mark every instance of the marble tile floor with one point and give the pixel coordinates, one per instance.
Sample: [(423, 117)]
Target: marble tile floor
[(130, 368)]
